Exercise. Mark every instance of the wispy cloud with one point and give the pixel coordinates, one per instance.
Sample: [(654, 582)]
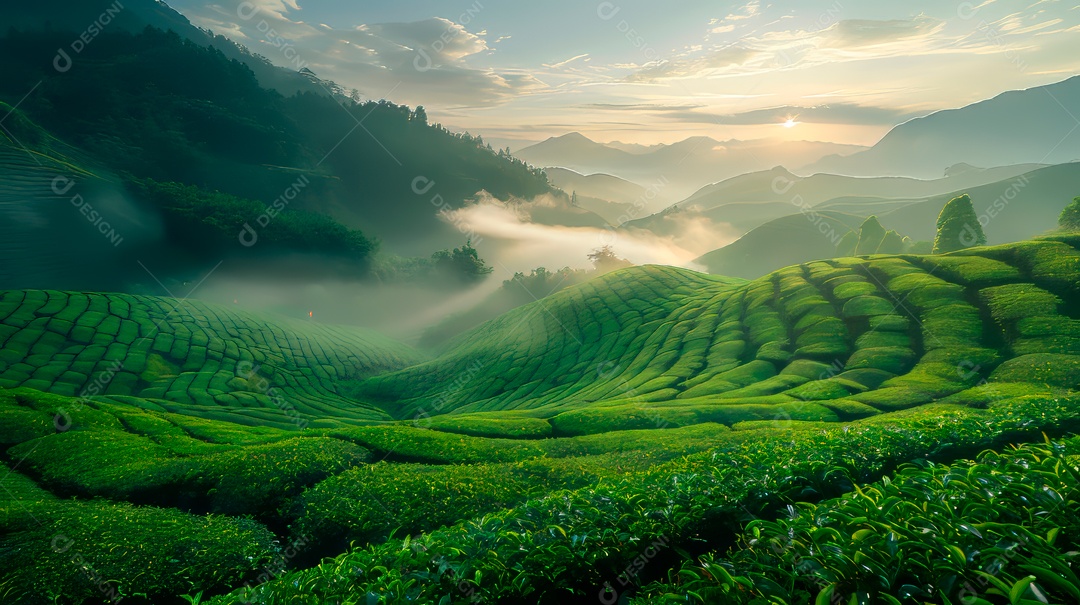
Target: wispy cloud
[(426, 61), (566, 62)]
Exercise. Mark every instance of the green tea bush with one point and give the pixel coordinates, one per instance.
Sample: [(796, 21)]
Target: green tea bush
[(569, 544), (1001, 528), (411, 444), (95, 552)]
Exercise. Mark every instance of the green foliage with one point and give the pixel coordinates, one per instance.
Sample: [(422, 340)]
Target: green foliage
[(368, 503), (455, 268), (488, 425), (1070, 216), (208, 224), (958, 227), (1015, 301), (873, 544), (411, 444), (152, 106), (194, 357), (260, 479), (76, 552), (462, 263), (540, 454), (1049, 369), (872, 238), (605, 260), (892, 243), (566, 544)]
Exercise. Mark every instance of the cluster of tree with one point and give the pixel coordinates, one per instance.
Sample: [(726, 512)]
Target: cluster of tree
[(522, 289), (958, 228), (211, 225), (872, 238), (214, 224), (458, 267)]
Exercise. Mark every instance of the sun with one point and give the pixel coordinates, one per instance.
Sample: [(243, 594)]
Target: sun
[(790, 123)]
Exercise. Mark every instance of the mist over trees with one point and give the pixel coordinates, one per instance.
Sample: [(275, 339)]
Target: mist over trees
[(153, 105)]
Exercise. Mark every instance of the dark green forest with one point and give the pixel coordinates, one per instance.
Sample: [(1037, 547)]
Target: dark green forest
[(194, 133)]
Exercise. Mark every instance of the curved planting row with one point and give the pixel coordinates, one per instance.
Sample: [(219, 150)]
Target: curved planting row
[(609, 539), (188, 355), (830, 340), (1001, 528)]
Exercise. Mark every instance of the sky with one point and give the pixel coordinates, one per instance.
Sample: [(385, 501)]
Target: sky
[(659, 71)]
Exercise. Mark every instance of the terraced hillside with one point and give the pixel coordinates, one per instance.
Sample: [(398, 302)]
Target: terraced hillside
[(541, 458), (830, 340), (202, 359)]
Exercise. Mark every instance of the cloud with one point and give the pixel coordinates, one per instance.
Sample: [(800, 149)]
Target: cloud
[(836, 113), (425, 62), (517, 243), (566, 62), (748, 11), (859, 33), (697, 65), (832, 113), (825, 41)]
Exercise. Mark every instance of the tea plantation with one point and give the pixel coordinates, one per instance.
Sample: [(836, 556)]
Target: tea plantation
[(831, 340), (203, 359), (883, 429)]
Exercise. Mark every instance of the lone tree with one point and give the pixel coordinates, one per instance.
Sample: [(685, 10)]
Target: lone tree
[(1070, 216), (605, 260), (958, 227)]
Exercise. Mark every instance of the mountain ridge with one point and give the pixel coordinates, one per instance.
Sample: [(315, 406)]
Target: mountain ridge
[(1013, 127)]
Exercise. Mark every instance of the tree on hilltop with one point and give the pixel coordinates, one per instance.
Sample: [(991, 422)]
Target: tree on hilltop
[(958, 226)]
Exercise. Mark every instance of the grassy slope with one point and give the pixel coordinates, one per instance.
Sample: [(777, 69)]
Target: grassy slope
[(989, 335)]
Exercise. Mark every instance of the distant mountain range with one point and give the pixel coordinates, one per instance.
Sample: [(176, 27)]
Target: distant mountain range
[(1038, 125), (615, 199), (678, 169), (1016, 208), (749, 200)]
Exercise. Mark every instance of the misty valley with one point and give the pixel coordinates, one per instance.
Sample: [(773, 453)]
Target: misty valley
[(306, 302)]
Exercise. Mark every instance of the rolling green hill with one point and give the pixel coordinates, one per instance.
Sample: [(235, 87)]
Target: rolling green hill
[(829, 340), (202, 359), (651, 410), (784, 241)]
